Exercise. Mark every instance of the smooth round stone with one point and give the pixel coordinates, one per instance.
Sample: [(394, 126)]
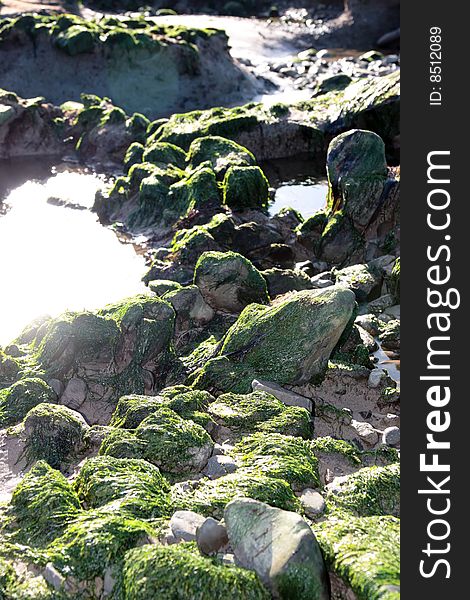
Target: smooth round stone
[(391, 436), (313, 503), (211, 536)]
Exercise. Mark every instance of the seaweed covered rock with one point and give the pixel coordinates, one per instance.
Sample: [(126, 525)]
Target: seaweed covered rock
[(280, 456), (43, 504), (368, 492), (241, 414), (363, 198), (187, 403), (174, 444), (394, 280), (53, 433), (221, 153), (209, 497), (167, 572), (22, 396), (95, 543), (138, 486), (245, 187), (289, 342), (163, 154), (362, 556), (280, 547), (124, 348), (229, 281)]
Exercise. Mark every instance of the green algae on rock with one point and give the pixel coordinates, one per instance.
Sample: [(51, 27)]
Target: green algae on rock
[(229, 281), (221, 153), (174, 444), (22, 396), (165, 572), (138, 486), (43, 504), (53, 433), (368, 492), (364, 553), (211, 496), (242, 414), (245, 187), (289, 342), (279, 456)]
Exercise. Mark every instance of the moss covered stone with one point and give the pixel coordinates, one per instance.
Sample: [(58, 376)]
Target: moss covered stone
[(168, 572), (189, 244), (164, 154), (43, 504), (221, 153), (133, 409), (368, 492), (95, 542), (161, 286), (22, 396), (165, 439), (279, 456), (289, 342), (211, 496), (138, 486), (364, 553), (53, 433), (394, 280), (243, 414), (126, 339), (134, 155), (245, 187), (229, 281)]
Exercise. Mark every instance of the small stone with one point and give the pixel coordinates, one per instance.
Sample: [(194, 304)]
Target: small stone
[(391, 436), (286, 396), (313, 503), (382, 303), (375, 378), (184, 524), (365, 431), (211, 536), (219, 465), (320, 283)]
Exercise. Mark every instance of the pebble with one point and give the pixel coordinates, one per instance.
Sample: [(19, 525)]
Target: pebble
[(391, 436), (313, 503), (211, 536), (219, 465), (365, 431), (184, 524)]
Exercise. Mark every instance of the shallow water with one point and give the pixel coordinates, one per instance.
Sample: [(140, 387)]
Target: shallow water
[(56, 258), (307, 197)]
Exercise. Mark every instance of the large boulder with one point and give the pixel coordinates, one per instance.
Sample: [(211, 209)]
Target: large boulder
[(280, 547), (123, 348), (289, 342), (228, 281)]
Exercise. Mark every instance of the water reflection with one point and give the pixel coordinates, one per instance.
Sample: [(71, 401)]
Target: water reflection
[(308, 197), (55, 258)]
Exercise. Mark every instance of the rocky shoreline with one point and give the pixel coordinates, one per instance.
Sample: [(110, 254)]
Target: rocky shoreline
[(230, 432)]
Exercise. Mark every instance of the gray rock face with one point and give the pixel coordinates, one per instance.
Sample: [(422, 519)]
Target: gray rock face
[(75, 393), (286, 396), (211, 536), (184, 524), (190, 307), (280, 547), (362, 280), (228, 281)]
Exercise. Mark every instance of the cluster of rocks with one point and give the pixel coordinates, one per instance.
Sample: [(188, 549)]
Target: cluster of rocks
[(321, 71), (229, 433)]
